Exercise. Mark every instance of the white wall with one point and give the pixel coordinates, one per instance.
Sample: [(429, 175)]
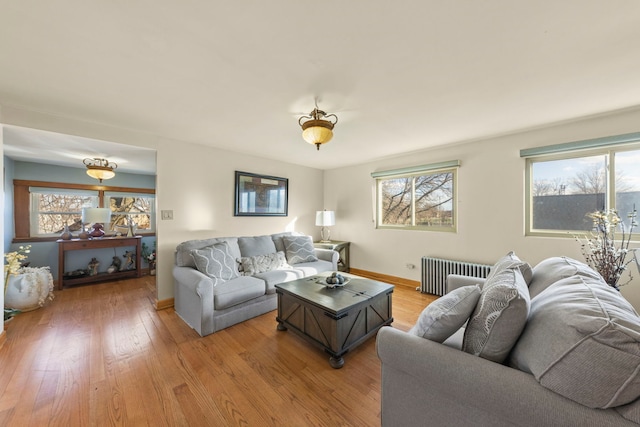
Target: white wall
[(490, 203), (197, 183)]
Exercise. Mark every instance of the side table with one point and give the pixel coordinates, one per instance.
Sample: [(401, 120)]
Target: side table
[(98, 243), (343, 251)]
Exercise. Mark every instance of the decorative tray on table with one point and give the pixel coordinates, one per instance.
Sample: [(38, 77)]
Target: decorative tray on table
[(336, 280)]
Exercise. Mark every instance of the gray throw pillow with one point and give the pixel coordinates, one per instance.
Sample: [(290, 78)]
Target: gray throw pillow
[(256, 245), (499, 316), (262, 263), (511, 260), (582, 340), (299, 249), (216, 262), (440, 319)]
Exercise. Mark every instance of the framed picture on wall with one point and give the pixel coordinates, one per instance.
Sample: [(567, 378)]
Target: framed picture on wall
[(261, 195)]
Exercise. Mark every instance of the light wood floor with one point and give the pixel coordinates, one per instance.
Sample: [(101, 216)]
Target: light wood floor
[(102, 355)]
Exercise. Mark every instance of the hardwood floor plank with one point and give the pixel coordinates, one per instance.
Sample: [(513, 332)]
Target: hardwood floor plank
[(102, 355)]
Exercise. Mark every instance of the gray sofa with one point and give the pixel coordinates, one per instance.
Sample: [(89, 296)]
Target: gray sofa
[(223, 281), (574, 359)]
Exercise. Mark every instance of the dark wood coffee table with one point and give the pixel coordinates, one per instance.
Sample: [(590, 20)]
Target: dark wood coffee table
[(335, 319)]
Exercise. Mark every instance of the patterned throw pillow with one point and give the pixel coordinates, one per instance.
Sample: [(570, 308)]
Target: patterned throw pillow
[(261, 263), (511, 260), (499, 317), (216, 262), (440, 319), (299, 249)]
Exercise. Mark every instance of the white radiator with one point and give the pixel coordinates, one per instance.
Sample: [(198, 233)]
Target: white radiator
[(436, 270)]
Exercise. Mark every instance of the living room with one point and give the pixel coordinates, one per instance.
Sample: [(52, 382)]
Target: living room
[(195, 168)]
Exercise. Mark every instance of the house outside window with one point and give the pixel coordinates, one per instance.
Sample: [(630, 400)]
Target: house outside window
[(420, 198), (563, 188)]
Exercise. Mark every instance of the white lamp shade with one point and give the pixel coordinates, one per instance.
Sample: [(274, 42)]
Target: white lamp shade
[(96, 215), (325, 218)]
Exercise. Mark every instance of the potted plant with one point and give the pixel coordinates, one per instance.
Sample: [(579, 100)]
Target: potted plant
[(599, 246)]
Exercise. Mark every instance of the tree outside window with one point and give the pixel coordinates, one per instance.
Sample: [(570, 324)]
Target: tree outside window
[(52, 211), (420, 201), (131, 208)]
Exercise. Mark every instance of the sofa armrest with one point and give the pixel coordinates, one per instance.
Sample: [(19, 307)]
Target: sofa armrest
[(455, 281), (427, 383), (193, 298), (328, 255)]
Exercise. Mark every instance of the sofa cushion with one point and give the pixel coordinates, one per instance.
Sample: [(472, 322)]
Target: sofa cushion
[(183, 250), (277, 240), (258, 245), (511, 260), (275, 277), (307, 269), (261, 263), (237, 291), (550, 270), (499, 316), (582, 340), (216, 262), (440, 319), (299, 249)]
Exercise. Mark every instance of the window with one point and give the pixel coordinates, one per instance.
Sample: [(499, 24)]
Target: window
[(138, 209), (43, 209), (54, 208), (564, 187), (417, 198)]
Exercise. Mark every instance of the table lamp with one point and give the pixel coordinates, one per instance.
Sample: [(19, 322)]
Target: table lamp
[(325, 219), (99, 217)]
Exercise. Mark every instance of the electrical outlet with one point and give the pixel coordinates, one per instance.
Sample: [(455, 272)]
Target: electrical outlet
[(410, 266), (166, 215)]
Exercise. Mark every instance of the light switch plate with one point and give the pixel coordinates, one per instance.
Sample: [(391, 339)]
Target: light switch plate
[(166, 215)]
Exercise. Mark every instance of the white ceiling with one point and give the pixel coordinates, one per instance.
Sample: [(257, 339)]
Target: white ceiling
[(401, 76)]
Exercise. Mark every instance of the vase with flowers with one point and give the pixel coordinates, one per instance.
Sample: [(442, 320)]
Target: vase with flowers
[(599, 247), (25, 288)]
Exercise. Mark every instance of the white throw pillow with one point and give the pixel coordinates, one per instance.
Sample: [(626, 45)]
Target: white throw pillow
[(262, 263), (443, 317)]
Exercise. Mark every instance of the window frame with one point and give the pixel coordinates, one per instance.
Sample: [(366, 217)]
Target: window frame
[(412, 172), (606, 147), (33, 215), (22, 204), (108, 195)]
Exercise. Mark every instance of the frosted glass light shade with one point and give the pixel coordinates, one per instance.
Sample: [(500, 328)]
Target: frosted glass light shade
[(100, 173), (317, 134), (325, 218)]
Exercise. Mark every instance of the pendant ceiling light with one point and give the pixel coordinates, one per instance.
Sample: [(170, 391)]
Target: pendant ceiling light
[(100, 168), (317, 129)]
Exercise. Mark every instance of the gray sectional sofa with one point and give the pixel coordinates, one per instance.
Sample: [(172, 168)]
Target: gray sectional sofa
[(223, 281), (548, 346)]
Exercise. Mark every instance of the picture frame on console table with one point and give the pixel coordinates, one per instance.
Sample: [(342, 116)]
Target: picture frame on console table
[(261, 195)]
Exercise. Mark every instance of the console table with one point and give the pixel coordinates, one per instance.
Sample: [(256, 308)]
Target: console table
[(98, 243), (341, 247)]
